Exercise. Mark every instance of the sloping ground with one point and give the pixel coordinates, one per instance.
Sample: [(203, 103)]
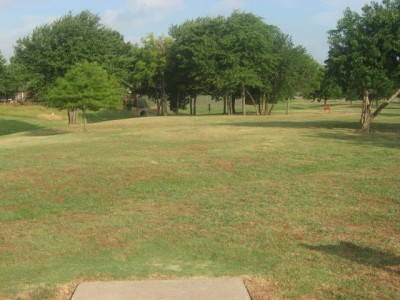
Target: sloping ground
[(301, 206)]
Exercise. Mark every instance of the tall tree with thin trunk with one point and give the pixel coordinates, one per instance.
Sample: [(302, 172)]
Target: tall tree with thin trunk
[(150, 70), (247, 42), (194, 55)]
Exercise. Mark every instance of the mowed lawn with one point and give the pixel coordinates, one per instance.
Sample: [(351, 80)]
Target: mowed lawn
[(302, 206)]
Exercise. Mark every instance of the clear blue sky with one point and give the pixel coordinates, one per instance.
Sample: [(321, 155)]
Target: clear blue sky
[(306, 21)]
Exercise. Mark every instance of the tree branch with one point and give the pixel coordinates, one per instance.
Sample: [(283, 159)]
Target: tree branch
[(386, 103)]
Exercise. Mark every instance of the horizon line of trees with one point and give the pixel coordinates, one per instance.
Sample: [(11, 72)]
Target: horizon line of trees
[(235, 57), (228, 58)]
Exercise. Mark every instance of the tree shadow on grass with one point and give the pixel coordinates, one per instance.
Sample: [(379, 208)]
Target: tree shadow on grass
[(382, 135), (322, 124), (385, 140), (12, 126), (325, 124), (362, 255), (107, 115), (46, 132)]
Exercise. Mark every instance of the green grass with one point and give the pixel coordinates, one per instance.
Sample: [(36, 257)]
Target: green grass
[(304, 202)]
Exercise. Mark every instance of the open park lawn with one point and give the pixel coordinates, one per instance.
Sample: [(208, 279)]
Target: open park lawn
[(302, 206)]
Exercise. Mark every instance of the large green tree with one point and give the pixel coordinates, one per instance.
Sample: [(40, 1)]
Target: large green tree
[(3, 67), (364, 55), (52, 49), (248, 43), (193, 59), (239, 57), (86, 86), (329, 89), (149, 70), (2, 63)]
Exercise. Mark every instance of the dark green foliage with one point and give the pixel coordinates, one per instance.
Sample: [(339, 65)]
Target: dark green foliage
[(329, 89), (2, 64), (11, 79), (86, 86), (364, 56), (2, 75), (365, 50), (225, 57), (52, 49), (222, 57), (149, 69)]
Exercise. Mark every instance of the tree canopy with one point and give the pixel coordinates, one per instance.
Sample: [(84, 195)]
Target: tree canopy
[(229, 57), (364, 55), (86, 86), (149, 70), (2, 75), (234, 57), (52, 49)]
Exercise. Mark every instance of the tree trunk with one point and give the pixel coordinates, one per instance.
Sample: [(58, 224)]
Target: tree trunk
[(195, 105), (287, 105), (229, 105), (233, 104), (191, 106), (164, 104), (164, 107), (177, 103), (69, 116), (72, 112), (225, 105), (366, 116), (84, 119), (385, 103), (158, 107), (256, 108), (243, 100), (270, 110)]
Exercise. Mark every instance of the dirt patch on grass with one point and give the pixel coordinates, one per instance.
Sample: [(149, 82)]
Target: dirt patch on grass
[(261, 289), (49, 117)]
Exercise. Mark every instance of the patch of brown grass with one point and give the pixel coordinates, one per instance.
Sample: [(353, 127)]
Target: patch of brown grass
[(49, 117), (261, 288)]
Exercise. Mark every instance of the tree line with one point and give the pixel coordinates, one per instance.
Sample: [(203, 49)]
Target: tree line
[(235, 57), (228, 58)]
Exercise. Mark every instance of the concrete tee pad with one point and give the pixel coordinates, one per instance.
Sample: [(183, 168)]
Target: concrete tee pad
[(191, 289)]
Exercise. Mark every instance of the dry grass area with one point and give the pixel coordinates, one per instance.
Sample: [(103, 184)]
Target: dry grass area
[(301, 206), (50, 117)]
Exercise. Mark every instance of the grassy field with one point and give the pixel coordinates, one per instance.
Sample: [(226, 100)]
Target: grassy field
[(302, 206)]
